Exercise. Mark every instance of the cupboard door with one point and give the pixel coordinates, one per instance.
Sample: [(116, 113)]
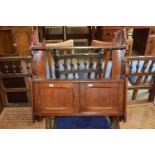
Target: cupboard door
[(6, 43), (15, 40), (104, 98), (23, 40), (59, 98)]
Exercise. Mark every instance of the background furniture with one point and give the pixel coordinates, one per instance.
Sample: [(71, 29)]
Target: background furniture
[(83, 32), (150, 49), (142, 75), (15, 40), (15, 75), (51, 33), (106, 43), (106, 33), (63, 33), (140, 38)]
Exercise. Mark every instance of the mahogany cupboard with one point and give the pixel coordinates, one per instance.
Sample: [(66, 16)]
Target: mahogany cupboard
[(92, 83)]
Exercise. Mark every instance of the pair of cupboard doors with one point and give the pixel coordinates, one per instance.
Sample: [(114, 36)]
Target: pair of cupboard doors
[(73, 98)]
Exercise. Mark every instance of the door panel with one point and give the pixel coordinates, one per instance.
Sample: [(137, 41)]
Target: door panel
[(59, 97), (101, 97), (6, 42), (23, 42)]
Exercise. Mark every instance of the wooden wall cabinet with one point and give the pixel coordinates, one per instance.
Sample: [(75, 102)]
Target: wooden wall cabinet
[(79, 98), (15, 40)]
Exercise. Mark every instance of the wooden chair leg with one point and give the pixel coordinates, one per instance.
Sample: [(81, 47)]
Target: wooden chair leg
[(37, 118), (152, 94), (115, 122), (52, 122), (48, 122), (33, 119), (134, 95)]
